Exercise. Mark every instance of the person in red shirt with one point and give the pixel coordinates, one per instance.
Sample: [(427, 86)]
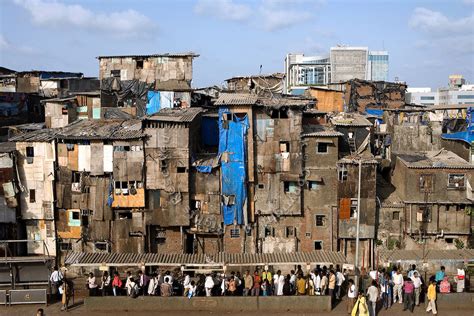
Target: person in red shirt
[(116, 284), (256, 284), (408, 295)]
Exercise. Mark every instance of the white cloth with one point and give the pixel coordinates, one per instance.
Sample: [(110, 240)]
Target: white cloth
[(56, 276), (91, 283), (187, 281), (209, 283), (127, 285), (351, 292), (152, 286), (293, 279), (339, 278), (281, 282), (398, 279), (416, 282), (317, 282)]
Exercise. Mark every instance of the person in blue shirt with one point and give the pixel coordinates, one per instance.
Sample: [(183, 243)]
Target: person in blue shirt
[(439, 276)]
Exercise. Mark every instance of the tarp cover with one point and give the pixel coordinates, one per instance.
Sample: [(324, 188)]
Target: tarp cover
[(153, 105), (209, 131), (232, 150)]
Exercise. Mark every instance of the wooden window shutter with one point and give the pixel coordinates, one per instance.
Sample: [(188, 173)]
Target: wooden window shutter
[(345, 208)]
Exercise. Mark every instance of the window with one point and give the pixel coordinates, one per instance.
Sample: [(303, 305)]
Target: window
[(318, 245), (320, 220), (426, 183), (290, 231), (49, 229), (269, 231), (101, 246), (196, 204), (181, 170), (140, 64), (353, 208), (424, 214), (396, 216), (449, 240), (32, 196), (76, 181), (456, 181), (235, 233), (322, 148), (85, 221), (284, 147), (163, 165), (289, 186), (314, 185), (75, 215), (342, 174), (124, 215), (465, 96), (30, 152), (308, 235), (228, 199), (115, 73), (65, 246), (427, 98), (261, 186)]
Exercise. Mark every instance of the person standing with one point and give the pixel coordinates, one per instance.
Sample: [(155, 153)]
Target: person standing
[(248, 283), (440, 276), (408, 294), (431, 295), (373, 296), (256, 284), (300, 285), (385, 289), (332, 284), (209, 284), (324, 284), (92, 285), (417, 284), (116, 284), (186, 284), (232, 286), (127, 283), (153, 285), (351, 296), (339, 281), (105, 286), (397, 286), (460, 280), (56, 280)]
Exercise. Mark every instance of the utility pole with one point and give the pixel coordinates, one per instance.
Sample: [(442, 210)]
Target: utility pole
[(356, 262)]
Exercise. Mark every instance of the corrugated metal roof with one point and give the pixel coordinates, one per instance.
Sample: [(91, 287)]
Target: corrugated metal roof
[(42, 135), (440, 159), (101, 129), (188, 54), (178, 115), (220, 259), (350, 119), (236, 99), (323, 134), (277, 75), (355, 160), (433, 255)]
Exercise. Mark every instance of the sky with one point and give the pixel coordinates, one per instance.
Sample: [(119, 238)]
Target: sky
[(427, 40)]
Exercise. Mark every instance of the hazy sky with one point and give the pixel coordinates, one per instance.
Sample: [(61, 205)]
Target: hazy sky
[(426, 40)]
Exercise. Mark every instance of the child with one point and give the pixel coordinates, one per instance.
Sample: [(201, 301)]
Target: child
[(192, 289), (265, 287), (432, 298)]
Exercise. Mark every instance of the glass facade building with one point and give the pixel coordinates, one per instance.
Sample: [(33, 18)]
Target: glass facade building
[(378, 64)]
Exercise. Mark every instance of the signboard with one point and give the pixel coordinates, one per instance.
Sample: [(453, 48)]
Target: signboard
[(32, 296)]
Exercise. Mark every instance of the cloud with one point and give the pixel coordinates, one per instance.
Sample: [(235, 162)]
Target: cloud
[(438, 24), (455, 35), (54, 13), (271, 15), (4, 44), (223, 9), (7, 46)]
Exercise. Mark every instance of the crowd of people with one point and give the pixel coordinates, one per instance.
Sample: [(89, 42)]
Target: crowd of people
[(385, 289), (388, 288)]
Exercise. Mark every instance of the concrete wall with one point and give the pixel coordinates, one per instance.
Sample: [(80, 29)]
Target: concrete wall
[(460, 148), (212, 304)]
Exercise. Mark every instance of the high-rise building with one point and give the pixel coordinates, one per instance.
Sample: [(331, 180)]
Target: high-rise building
[(348, 63), (378, 66), (302, 71)]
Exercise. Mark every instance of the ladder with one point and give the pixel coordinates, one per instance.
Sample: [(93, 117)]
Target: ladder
[(352, 145)]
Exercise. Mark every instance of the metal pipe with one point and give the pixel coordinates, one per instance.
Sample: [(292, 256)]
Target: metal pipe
[(356, 262)]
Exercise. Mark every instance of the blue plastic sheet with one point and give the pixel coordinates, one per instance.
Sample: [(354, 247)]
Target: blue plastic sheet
[(209, 131), (204, 169), (232, 150), (465, 136), (153, 105)]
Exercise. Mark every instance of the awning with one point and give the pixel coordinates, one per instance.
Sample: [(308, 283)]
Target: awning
[(82, 259)]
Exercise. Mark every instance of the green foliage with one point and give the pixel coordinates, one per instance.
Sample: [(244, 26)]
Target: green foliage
[(458, 243), (393, 244)]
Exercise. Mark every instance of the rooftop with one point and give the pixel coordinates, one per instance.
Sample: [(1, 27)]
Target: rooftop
[(251, 99), (102, 129), (350, 119), (179, 115), (320, 131), (41, 135), (439, 159), (186, 54), (277, 75)]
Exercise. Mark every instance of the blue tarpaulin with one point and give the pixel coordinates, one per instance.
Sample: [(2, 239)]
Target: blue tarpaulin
[(375, 112), (232, 150), (153, 105), (209, 131), (466, 136), (204, 169)]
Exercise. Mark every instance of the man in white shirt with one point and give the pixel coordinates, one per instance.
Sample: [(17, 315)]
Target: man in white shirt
[(339, 280), (397, 287), (351, 295), (209, 284), (373, 296), (417, 284), (56, 279)]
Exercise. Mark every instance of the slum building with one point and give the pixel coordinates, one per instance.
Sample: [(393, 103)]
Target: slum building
[(100, 195), (9, 194), (356, 130), (434, 190), (144, 84), (327, 100), (36, 152), (265, 85), (172, 137)]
